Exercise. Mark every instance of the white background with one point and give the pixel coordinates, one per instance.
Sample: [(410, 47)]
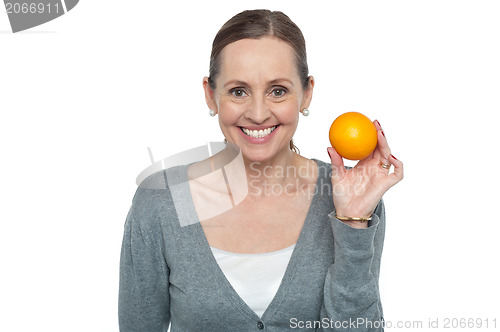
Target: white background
[(83, 96)]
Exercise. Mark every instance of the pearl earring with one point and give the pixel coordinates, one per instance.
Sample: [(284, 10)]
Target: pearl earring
[(211, 113), (305, 112)]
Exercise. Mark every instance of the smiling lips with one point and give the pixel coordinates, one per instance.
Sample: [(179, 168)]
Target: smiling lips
[(258, 133)]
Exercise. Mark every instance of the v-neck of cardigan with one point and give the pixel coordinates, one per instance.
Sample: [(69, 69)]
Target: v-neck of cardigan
[(207, 256)]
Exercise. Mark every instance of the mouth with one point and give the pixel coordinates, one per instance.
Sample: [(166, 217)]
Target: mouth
[(258, 133)]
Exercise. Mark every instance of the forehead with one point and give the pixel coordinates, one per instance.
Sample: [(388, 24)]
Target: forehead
[(254, 60)]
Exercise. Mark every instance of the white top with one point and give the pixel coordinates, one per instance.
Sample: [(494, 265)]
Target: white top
[(255, 277)]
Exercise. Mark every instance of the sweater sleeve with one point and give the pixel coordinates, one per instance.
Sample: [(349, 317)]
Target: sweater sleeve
[(143, 292), (351, 291)]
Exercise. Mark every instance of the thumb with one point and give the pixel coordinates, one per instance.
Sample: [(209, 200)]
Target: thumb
[(338, 169)]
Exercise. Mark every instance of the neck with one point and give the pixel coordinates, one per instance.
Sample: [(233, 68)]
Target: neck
[(283, 174)]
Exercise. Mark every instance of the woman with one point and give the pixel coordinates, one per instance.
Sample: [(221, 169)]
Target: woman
[(305, 257)]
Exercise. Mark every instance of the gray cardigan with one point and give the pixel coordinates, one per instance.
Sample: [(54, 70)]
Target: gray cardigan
[(168, 274)]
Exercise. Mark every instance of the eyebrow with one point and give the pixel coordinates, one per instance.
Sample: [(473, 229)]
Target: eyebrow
[(242, 83)]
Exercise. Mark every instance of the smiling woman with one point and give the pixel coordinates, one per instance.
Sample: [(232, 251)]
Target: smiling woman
[(304, 245), (253, 25), (258, 96)]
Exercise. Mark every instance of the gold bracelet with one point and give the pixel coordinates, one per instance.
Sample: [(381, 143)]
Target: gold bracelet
[(353, 219)]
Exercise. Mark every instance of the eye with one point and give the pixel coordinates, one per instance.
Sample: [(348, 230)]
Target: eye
[(237, 92), (279, 92)]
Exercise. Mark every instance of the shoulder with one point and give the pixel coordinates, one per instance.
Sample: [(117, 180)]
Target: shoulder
[(153, 195), (324, 177), (324, 168)]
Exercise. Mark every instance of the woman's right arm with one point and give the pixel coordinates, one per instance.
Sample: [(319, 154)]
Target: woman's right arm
[(144, 303)]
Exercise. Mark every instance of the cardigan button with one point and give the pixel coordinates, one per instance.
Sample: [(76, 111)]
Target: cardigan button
[(260, 325)]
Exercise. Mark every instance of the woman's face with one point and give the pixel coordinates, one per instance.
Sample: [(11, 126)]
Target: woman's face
[(258, 97)]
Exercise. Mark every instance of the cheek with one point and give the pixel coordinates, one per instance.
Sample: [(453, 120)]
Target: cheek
[(229, 113), (287, 112)]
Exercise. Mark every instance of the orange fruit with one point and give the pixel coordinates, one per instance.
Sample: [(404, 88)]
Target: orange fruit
[(353, 136)]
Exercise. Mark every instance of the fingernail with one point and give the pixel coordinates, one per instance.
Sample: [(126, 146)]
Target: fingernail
[(329, 153), (382, 132), (378, 123), (394, 157)]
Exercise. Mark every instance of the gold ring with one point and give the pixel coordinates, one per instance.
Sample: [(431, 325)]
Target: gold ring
[(386, 166)]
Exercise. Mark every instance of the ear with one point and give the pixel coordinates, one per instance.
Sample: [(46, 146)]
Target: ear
[(308, 93), (209, 95)]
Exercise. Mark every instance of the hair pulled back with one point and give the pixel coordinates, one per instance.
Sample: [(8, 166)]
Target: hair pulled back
[(255, 24)]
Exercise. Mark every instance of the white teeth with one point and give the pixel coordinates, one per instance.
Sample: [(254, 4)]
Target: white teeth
[(258, 133)]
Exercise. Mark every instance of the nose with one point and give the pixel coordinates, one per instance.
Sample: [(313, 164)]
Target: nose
[(258, 111)]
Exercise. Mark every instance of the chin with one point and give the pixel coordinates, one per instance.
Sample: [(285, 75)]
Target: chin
[(259, 154), (259, 157)]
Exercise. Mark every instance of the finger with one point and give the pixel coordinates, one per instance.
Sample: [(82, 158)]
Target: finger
[(382, 151), (338, 168), (375, 153), (397, 175)]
